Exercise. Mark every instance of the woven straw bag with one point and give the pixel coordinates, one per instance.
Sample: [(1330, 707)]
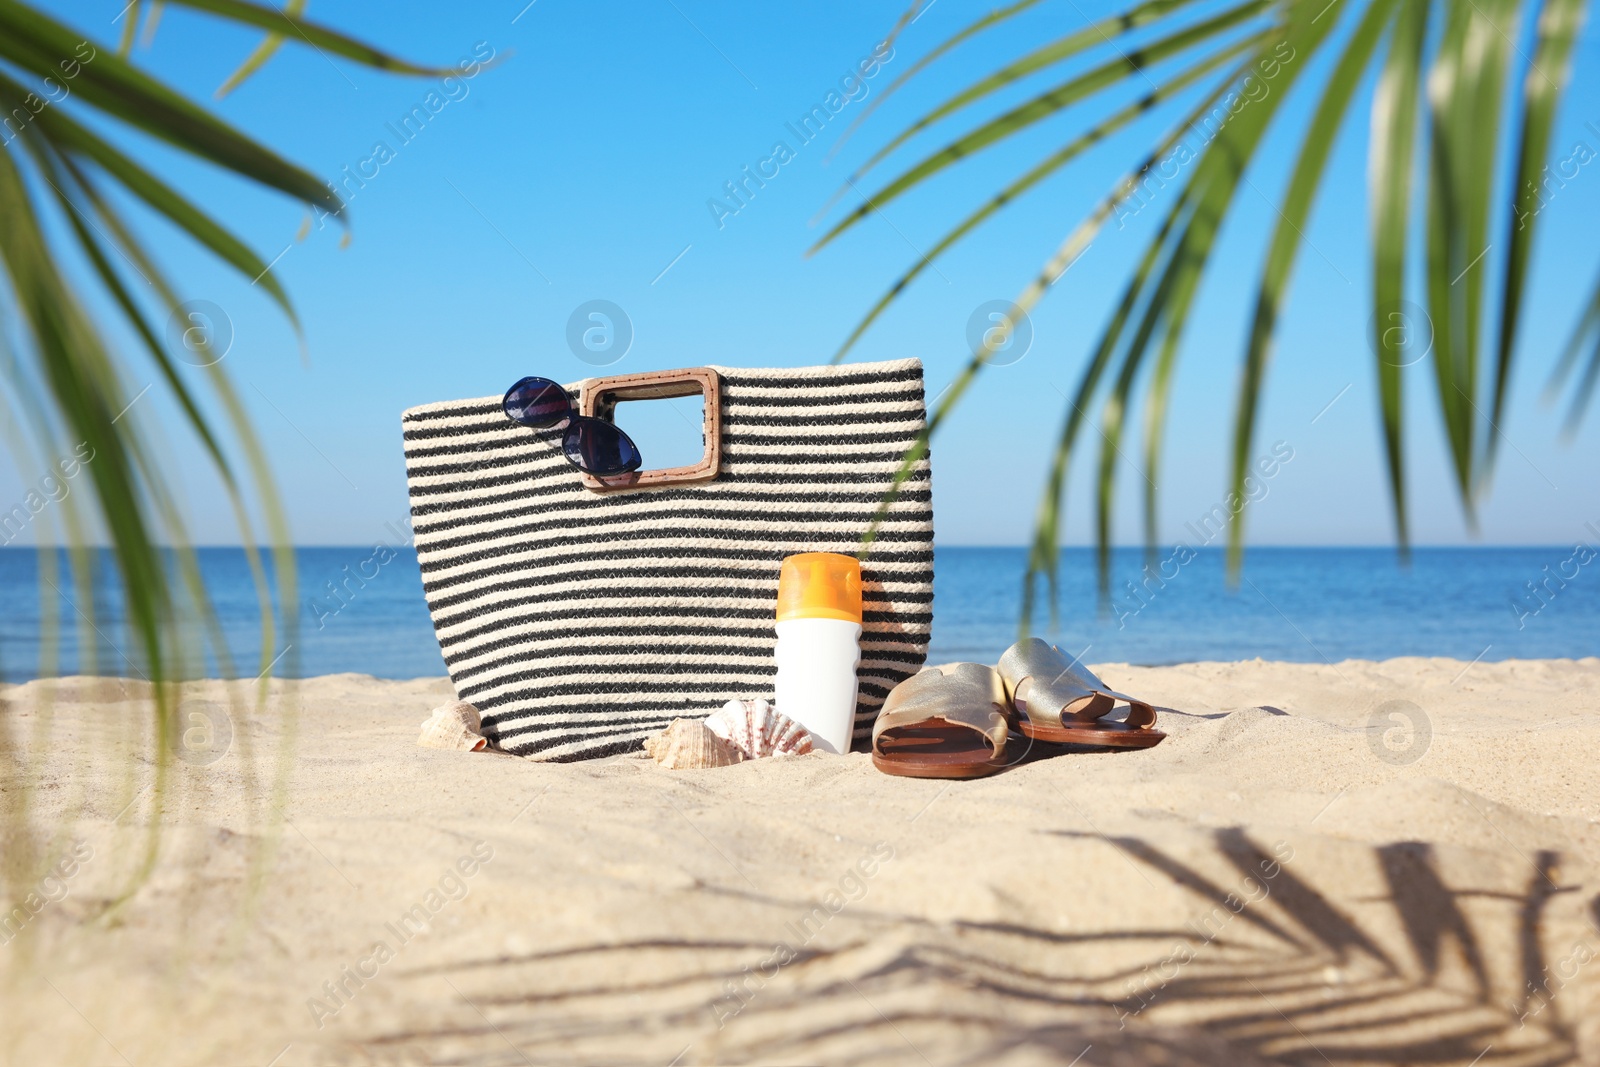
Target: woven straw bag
[(581, 615)]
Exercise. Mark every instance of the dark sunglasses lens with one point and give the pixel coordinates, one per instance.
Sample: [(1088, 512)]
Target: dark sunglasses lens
[(599, 447), (537, 402)]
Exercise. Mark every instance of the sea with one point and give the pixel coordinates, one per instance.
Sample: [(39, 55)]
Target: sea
[(1308, 605)]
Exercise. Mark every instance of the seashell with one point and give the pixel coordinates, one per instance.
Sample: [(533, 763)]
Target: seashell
[(687, 744), (756, 729), (455, 725)]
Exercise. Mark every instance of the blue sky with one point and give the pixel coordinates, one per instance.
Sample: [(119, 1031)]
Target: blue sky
[(580, 167)]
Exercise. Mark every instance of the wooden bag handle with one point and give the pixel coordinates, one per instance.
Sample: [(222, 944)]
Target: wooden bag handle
[(599, 396)]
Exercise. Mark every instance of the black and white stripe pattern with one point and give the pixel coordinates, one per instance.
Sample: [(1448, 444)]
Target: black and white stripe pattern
[(579, 622)]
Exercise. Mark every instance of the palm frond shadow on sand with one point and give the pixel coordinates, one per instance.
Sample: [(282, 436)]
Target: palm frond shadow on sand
[(1436, 975)]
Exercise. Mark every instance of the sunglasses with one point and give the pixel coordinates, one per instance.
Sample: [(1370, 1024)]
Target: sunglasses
[(593, 445)]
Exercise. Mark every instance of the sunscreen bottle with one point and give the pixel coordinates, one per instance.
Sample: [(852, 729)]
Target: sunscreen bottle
[(819, 645)]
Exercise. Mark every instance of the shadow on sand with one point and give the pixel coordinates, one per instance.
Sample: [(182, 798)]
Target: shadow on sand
[(1284, 977)]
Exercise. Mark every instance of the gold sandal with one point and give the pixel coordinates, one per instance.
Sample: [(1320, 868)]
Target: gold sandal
[(1060, 700), (943, 722)]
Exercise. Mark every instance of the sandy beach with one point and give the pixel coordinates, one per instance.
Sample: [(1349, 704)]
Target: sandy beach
[(1300, 874)]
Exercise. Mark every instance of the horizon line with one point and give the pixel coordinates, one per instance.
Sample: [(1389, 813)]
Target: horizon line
[(1387, 546)]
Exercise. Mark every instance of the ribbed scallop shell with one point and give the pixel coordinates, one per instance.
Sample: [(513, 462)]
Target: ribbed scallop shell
[(455, 725), (686, 744), (757, 730)]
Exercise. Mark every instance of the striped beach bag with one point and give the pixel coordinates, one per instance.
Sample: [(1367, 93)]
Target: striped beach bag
[(582, 615)]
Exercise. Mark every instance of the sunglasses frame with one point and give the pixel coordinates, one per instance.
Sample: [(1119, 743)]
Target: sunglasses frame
[(598, 399), (574, 420)]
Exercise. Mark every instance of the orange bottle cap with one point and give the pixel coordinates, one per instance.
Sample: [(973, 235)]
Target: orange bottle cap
[(820, 585)]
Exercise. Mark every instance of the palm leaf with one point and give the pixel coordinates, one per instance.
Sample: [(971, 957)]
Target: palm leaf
[(130, 26), (79, 205), (76, 142), (1463, 91), (1394, 129), (1466, 50), (263, 53), (85, 206), (69, 386), (1048, 166), (1063, 259), (1043, 556), (1089, 37), (966, 33), (1081, 87), (1587, 331), (314, 35), (82, 379), (37, 44), (1288, 238), (1557, 29), (1215, 183), (1182, 271), (1204, 201)]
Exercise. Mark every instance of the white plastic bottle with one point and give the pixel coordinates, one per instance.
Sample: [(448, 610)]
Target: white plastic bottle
[(819, 645)]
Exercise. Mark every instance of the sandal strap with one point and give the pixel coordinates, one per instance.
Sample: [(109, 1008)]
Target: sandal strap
[(1060, 689), (1141, 713), (963, 694)]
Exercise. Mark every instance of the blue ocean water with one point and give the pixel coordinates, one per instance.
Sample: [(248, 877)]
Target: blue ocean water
[(364, 612), (1298, 604)]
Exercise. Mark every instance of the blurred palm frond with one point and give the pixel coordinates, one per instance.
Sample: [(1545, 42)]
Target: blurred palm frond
[(1465, 99), (73, 393)]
